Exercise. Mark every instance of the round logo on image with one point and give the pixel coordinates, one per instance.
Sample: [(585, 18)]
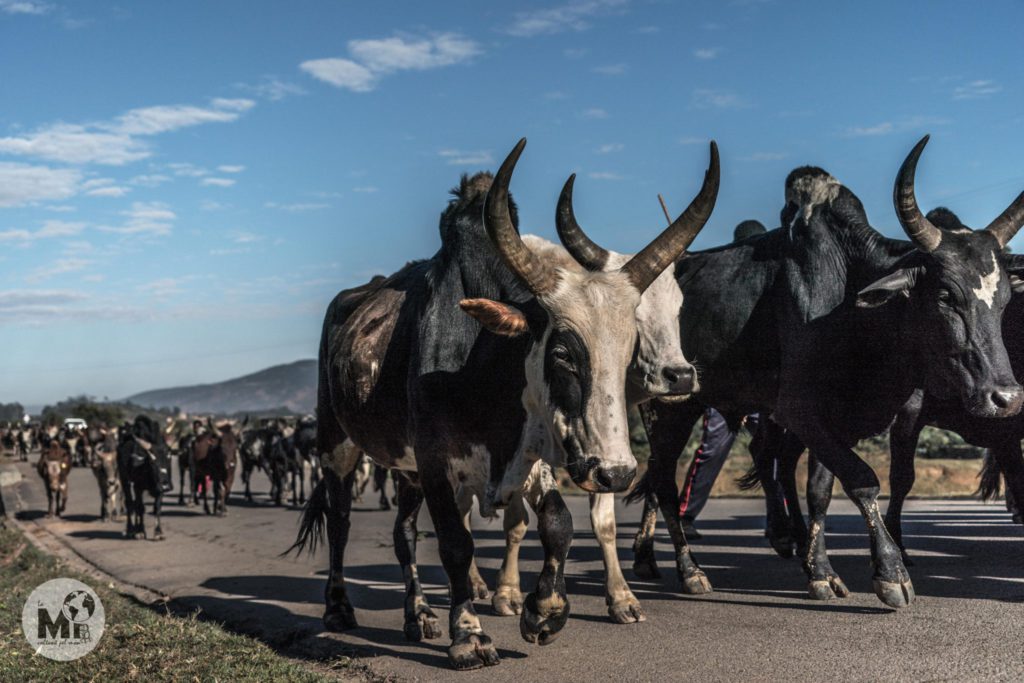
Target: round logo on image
[(63, 619)]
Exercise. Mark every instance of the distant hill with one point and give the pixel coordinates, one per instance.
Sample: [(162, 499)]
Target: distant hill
[(292, 386)]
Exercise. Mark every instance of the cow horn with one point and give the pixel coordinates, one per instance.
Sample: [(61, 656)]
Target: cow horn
[(587, 253), (1009, 222), (537, 275), (643, 268), (919, 229)]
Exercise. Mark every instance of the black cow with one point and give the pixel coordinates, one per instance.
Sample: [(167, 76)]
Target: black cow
[(410, 381), (144, 466), (831, 327)]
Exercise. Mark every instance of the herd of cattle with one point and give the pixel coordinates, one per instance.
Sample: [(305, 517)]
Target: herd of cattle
[(475, 373)]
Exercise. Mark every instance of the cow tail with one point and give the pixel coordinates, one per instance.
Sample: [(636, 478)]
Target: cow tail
[(644, 487), (750, 481), (990, 485), (313, 521)]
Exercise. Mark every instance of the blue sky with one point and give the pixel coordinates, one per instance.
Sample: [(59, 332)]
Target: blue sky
[(184, 186)]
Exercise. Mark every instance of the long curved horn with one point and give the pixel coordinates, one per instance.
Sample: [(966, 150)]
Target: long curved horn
[(1009, 222), (537, 275), (587, 253), (919, 229), (643, 268)]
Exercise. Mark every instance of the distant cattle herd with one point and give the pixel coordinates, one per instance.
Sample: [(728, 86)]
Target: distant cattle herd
[(479, 373)]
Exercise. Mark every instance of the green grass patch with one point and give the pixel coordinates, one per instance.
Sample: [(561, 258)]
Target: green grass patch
[(140, 642)]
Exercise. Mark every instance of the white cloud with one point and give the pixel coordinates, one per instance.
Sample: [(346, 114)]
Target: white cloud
[(246, 238), (610, 147), (456, 157), (50, 228), (366, 189), (116, 142), (109, 191), (150, 218), (572, 16), (610, 69), (22, 184), (272, 88), (594, 113), (703, 98), (77, 144), (58, 267), (706, 53), (883, 128), (976, 90), (25, 7), (149, 180), (296, 207), (231, 168), (604, 175), (19, 299), (218, 182), (210, 205), (373, 58), (187, 170)]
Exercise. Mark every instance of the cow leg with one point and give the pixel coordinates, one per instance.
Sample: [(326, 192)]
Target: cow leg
[(766, 450), (623, 607), (380, 482), (158, 502), (1010, 462), (645, 566), (140, 511), (193, 484), (903, 438), (546, 610), (129, 504), (480, 590), (824, 583), (891, 581), (793, 448), (471, 648), (668, 427), (420, 620), (336, 502), (247, 478), (508, 599)]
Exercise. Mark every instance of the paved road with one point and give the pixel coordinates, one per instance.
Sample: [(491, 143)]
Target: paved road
[(967, 623)]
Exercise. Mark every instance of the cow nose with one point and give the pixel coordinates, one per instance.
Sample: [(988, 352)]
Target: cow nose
[(614, 479), (679, 377), (1007, 401)]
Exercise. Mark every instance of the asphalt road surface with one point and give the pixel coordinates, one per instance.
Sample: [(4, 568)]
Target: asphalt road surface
[(966, 624)]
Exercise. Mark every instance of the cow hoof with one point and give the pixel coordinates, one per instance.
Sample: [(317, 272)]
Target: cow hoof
[(423, 626), (646, 569), (894, 594), (480, 590), (472, 652), (696, 584), (541, 621), (826, 589), (385, 506), (340, 620), (507, 602), (783, 546), (626, 611), (139, 535)]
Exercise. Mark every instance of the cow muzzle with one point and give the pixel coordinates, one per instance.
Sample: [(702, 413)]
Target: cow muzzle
[(999, 401), (594, 477)]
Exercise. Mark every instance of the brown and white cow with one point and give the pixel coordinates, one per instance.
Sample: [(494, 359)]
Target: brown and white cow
[(53, 466)]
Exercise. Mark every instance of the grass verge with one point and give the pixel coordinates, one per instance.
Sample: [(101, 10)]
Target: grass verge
[(140, 641)]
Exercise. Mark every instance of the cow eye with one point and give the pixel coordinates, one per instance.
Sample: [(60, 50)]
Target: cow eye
[(561, 354), (945, 296)]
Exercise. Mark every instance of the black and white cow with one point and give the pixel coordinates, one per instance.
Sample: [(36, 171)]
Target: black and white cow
[(407, 379), (831, 327)]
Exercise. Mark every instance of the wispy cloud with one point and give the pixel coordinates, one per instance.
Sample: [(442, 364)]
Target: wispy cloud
[(217, 182), (883, 128), (229, 168), (299, 206), (49, 229), (22, 184), (58, 267), (707, 53), (572, 16), (144, 218), (370, 60), (272, 88), (976, 90), (149, 180), (706, 98), (888, 127), (610, 69), (594, 113), (187, 170), (25, 7), (109, 191), (366, 189), (118, 142), (604, 175), (610, 147), (456, 157)]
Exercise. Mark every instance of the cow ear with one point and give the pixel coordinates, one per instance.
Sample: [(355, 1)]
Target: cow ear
[(499, 318), (1015, 268), (882, 291)]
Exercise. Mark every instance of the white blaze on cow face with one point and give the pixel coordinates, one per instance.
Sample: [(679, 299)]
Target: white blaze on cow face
[(986, 292)]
